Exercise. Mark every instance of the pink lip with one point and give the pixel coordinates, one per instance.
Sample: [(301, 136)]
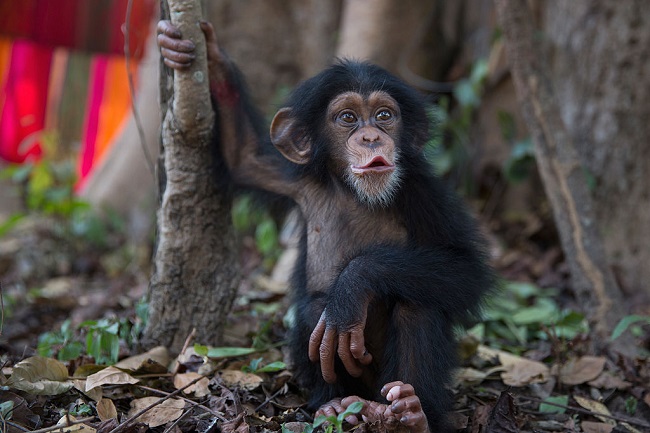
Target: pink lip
[(376, 164)]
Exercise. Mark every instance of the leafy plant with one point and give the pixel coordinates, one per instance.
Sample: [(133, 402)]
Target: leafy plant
[(252, 219), (61, 342), (521, 161), (629, 322), (47, 188), (256, 366), (335, 423), (102, 340), (524, 310)]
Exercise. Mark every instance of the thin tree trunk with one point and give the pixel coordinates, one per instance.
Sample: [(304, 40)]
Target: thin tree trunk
[(195, 271), (564, 179)]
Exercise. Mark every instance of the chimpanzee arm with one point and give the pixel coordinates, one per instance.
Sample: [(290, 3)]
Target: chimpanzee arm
[(241, 140), (445, 281)]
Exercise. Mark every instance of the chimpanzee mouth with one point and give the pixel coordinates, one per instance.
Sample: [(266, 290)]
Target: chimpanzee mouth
[(376, 164)]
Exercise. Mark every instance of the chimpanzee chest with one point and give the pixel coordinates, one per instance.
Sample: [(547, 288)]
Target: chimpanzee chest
[(337, 234)]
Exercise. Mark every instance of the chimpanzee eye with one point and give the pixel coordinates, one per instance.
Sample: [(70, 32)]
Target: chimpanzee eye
[(384, 115), (347, 117)]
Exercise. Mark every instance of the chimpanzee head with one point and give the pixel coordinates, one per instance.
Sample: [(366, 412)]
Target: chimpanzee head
[(357, 123)]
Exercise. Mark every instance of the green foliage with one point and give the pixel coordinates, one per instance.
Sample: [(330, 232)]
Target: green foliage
[(631, 404), (521, 311), (334, 423), (448, 148), (552, 408), (521, 162), (81, 410), (47, 188), (628, 322), (61, 342), (102, 339), (6, 409), (251, 219), (255, 366)]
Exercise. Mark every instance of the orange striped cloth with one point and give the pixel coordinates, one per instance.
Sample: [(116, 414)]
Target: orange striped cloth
[(41, 60)]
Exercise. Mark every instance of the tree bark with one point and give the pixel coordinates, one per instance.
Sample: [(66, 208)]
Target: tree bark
[(559, 165), (601, 67), (195, 271)]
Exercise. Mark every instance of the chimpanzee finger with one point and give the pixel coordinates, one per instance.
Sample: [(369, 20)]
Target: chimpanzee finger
[(326, 353), (331, 408), (177, 45), (316, 337), (358, 346), (183, 59), (394, 390), (208, 32), (410, 403), (347, 357), (416, 421), (167, 28)]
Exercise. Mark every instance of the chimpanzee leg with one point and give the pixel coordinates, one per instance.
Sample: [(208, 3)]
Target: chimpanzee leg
[(420, 351)]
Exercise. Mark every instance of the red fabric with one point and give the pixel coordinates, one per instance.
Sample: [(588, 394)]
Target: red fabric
[(24, 102), (93, 25)]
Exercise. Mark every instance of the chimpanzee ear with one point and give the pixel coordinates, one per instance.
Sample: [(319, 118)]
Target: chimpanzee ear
[(294, 146)]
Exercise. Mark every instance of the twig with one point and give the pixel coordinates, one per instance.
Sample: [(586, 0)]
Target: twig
[(63, 427), (14, 425), (175, 423), (618, 418), (132, 418), (192, 402), (269, 399)]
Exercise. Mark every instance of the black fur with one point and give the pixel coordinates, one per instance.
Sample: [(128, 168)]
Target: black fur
[(419, 290)]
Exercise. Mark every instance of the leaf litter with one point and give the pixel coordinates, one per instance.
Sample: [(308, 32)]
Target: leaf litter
[(530, 383)]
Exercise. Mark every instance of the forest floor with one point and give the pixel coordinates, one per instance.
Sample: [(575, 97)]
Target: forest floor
[(530, 367)]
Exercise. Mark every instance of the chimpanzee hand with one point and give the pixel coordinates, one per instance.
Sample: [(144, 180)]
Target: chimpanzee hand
[(405, 409), (179, 53), (327, 337)]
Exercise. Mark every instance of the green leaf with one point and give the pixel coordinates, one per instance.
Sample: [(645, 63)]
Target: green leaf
[(6, 409), (10, 223), (272, 367), (266, 236), (625, 323), (522, 290), (201, 350), (229, 352), (320, 420), (544, 311), (549, 408), (354, 408), (70, 351)]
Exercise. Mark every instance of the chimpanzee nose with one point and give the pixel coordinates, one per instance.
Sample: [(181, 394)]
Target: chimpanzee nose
[(369, 136)]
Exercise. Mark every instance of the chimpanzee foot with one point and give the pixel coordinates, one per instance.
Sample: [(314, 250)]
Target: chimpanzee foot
[(403, 413)]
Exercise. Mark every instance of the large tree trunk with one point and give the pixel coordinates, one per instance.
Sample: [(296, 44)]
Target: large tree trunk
[(564, 180), (601, 67), (195, 274)]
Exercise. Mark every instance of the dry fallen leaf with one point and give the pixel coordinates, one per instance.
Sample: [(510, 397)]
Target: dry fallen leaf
[(596, 407), (524, 372), (596, 427), (581, 370), (75, 428), (109, 375), (200, 388), (158, 354), (607, 380), (95, 393), (40, 376), (236, 378), (167, 411), (106, 409)]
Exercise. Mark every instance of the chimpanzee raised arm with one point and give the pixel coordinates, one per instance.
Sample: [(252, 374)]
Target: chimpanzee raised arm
[(390, 260)]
